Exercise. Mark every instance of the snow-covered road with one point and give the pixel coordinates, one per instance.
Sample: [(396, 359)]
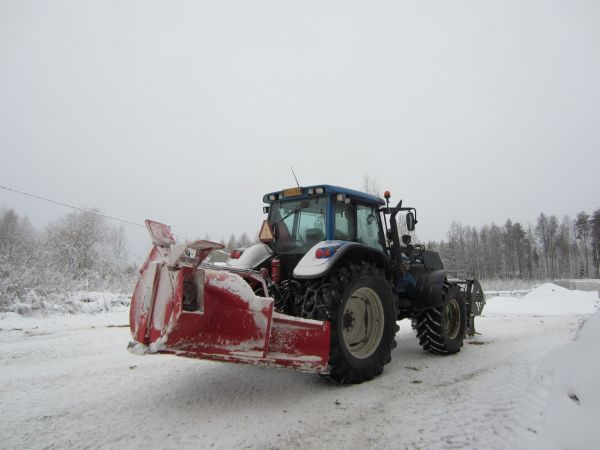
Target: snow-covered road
[(70, 382)]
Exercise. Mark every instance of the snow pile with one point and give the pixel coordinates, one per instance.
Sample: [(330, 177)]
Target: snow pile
[(570, 374), (69, 303), (545, 300), (508, 285), (49, 324), (550, 289)]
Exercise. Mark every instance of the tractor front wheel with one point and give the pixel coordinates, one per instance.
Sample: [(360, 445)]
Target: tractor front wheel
[(363, 323), (442, 330)]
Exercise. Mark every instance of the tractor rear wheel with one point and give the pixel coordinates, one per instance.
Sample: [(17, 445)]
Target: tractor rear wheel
[(363, 323), (442, 330)]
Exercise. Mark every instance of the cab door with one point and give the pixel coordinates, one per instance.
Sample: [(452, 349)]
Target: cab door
[(368, 227)]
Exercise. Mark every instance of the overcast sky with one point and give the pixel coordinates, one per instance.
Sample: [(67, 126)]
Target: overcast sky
[(188, 112)]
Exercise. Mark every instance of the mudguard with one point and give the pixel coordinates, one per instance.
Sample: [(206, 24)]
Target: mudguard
[(429, 290), (311, 267), (252, 257)]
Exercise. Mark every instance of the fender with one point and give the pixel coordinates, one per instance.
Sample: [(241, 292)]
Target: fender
[(311, 267), (429, 290), (252, 257)]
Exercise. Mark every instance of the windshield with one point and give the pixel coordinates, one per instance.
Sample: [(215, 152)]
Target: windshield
[(298, 224)]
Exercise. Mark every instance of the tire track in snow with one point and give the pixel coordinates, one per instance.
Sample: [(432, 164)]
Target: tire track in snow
[(472, 414)]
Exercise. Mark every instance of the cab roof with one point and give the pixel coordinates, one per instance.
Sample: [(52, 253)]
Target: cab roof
[(304, 192)]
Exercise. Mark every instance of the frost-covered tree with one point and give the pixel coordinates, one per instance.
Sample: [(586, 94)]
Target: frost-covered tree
[(231, 243), (85, 251), (244, 240), (564, 248), (548, 250), (82, 250), (18, 256)]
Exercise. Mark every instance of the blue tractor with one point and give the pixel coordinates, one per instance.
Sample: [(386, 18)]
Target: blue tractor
[(335, 254)]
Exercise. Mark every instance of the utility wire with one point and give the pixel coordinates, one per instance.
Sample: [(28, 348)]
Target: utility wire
[(71, 206), (56, 202)]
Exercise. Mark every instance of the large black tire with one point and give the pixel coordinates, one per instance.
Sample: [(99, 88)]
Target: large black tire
[(362, 312), (442, 330)]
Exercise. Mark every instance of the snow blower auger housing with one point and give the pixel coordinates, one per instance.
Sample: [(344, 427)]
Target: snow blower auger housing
[(180, 306), (321, 293)]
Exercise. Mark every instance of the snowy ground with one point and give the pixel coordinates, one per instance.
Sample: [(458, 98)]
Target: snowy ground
[(68, 381)]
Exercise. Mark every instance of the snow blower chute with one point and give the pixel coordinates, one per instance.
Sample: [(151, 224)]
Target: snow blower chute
[(184, 307)]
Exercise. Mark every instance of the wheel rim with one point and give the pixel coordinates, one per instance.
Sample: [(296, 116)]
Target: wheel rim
[(451, 318), (363, 323)]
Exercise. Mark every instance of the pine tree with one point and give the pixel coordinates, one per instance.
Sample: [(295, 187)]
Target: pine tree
[(582, 226)]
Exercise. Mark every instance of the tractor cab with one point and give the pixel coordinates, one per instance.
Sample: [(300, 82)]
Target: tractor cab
[(299, 218)]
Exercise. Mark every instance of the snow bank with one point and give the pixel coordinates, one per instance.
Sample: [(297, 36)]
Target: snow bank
[(93, 302), (565, 383), (75, 302), (570, 374), (545, 300), (49, 323)]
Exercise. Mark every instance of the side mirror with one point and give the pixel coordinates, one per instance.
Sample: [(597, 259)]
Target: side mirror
[(410, 221)]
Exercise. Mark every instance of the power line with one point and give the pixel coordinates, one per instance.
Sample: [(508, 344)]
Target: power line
[(49, 200)]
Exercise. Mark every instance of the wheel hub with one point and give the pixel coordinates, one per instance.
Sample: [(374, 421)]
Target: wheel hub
[(348, 320), (363, 322), (451, 318)]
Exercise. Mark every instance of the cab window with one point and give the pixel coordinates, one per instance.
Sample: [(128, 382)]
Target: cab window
[(298, 224), (344, 221), (367, 226)]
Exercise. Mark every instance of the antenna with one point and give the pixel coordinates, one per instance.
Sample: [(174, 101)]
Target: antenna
[(293, 173)]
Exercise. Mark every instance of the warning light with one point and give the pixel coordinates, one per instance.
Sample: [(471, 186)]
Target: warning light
[(292, 192)]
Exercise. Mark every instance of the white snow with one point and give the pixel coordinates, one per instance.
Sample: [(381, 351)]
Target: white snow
[(71, 302), (50, 323), (571, 377), (545, 300), (529, 380)]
